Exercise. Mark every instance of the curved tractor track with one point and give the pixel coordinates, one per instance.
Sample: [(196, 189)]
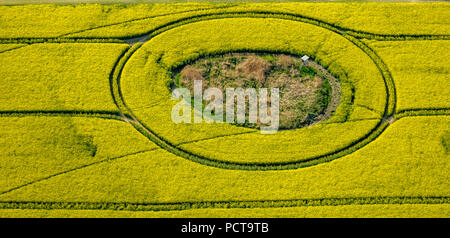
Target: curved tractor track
[(165, 144)]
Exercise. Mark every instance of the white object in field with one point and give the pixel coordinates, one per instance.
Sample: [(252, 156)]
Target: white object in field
[(305, 59)]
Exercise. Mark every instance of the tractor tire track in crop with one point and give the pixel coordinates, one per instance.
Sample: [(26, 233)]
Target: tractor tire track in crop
[(109, 160)]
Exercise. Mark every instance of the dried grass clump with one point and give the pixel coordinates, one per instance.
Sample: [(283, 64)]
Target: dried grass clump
[(254, 67)]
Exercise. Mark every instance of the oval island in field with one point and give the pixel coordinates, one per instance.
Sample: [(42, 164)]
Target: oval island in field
[(308, 94)]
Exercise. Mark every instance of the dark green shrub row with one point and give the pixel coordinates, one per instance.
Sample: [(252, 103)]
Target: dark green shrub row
[(96, 114), (129, 206), (423, 112), (390, 87)]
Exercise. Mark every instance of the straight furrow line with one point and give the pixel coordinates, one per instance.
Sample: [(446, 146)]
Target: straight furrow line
[(15, 48)]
